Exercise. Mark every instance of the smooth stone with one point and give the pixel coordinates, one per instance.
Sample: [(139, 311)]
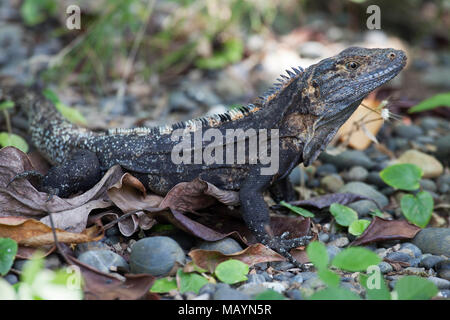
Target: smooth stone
[(443, 183), (399, 257), (400, 143), (443, 148), (357, 174), (324, 237), (385, 267), (103, 260), (440, 283), (313, 283), (11, 278), (113, 231), (298, 278), (229, 294), (282, 276), (252, 289), (225, 245), (430, 166), (296, 176), (52, 262), (326, 169), (444, 293), (208, 288), (256, 278), (332, 183), (409, 132), (443, 269), (294, 294), (312, 49), (282, 265), (332, 251), (430, 261), (306, 275), (348, 159), (156, 256), (266, 276), (416, 251), (428, 184), (90, 246), (429, 123), (363, 207), (374, 178), (415, 271), (433, 240), (339, 242)]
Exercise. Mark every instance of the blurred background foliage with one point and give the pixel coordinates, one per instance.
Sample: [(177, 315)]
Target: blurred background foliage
[(166, 38)]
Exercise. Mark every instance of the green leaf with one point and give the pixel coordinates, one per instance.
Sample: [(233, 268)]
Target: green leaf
[(317, 254), (439, 100), (32, 268), (71, 114), (417, 209), (6, 105), (376, 213), (415, 288), (232, 271), (34, 12), (330, 278), (8, 251), (303, 212), (269, 294), (334, 294), (344, 215), (190, 281), (232, 51), (164, 285), (404, 176), (376, 289), (355, 259), (11, 139), (358, 226)]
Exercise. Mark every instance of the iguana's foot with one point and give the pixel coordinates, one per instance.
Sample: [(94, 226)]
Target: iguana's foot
[(283, 246), (26, 175)]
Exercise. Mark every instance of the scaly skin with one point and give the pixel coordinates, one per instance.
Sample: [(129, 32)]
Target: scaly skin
[(307, 107)]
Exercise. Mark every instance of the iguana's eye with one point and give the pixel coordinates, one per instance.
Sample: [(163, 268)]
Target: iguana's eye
[(352, 65)]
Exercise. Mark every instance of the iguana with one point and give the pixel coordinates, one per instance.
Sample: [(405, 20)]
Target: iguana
[(301, 113)]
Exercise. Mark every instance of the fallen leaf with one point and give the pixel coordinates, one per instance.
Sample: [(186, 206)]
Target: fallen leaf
[(33, 233), (256, 253), (383, 230), (102, 286)]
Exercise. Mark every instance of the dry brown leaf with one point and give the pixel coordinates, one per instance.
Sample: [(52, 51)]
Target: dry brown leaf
[(360, 139), (33, 233), (102, 286), (256, 253), (383, 230)]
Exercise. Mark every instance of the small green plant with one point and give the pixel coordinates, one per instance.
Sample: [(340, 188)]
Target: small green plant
[(38, 283), (9, 138), (190, 281), (347, 217), (303, 212), (34, 12), (418, 208), (232, 271), (71, 114), (163, 285), (357, 259), (439, 100), (8, 251)]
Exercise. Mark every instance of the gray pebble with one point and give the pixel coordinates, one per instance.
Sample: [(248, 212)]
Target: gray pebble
[(363, 207), (282, 277), (226, 246), (443, 148), (332, 183), (326, 169), (208, 288), (296, 176), (256, 278), (339, 242), (430, 261), (440, 283), (156, 256), (428, 184), (308, 275), (348, 159), (267, 277), (294, 294), (399, 257), (374, 178), (443, 269), (282, 265), (385, 267), (408, 131), (357, 174), (11, 278), (332, 251), (444, 293), (297, 279), (429, 123), (90, 246), (113, 231), (433, 240), (416, 251), (324, 237), (103, 260), (229, 294)]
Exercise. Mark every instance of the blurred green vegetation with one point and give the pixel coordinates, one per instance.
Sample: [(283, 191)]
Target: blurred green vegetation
[(207, 34)]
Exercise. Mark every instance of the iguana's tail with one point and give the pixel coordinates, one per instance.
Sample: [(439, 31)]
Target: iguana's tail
[(51, 133)]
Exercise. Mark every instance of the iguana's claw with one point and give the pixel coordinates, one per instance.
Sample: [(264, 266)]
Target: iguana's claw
[(26, 175), (282, 246)]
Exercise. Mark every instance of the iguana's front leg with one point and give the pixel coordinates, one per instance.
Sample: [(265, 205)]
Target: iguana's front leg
[(256, 216), (80, 172)]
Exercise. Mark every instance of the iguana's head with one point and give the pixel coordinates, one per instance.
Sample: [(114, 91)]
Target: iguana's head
[(334, 87)]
